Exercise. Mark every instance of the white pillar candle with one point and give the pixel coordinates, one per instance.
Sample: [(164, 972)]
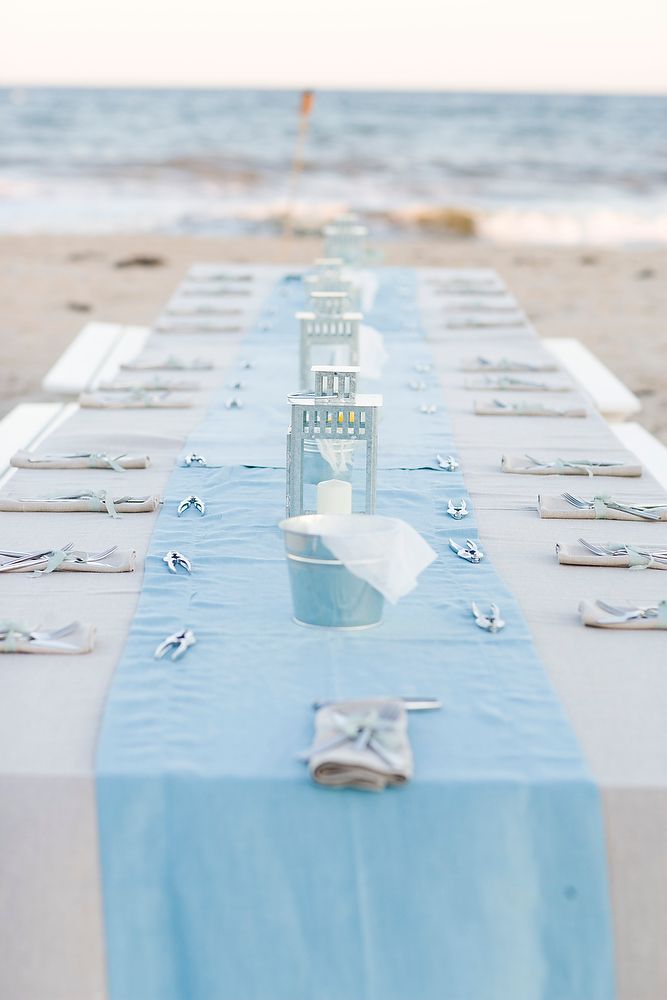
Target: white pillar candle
[(334, 496)]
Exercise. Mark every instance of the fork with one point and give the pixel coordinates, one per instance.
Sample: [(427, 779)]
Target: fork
[(628, 613), (621, 550), (645, 512), (23, 559)]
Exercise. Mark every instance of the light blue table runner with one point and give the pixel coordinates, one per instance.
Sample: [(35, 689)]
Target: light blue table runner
[(227, 875)]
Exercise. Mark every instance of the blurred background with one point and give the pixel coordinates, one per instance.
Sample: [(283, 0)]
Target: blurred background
[(136, 136)]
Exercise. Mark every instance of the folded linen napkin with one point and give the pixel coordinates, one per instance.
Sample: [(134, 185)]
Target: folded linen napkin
[(498, 408), (90, 501), (361, 744), (526, 465), (151, 385), (71, 639), (200, 309), (484, 324), (205, 289), (80, 460), (628, 616), (509, 383), (189, 325), (482, 364), (172, 363), (557, 507), (621, 555), (113, 560), (133, 401)]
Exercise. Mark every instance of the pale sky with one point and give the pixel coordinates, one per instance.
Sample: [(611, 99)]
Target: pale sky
[(567, 45)]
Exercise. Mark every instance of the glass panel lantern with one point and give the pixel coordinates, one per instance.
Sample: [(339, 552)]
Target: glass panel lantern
[(326, 340), (332, 446), (346, 241), (330, 303), (328, 277)]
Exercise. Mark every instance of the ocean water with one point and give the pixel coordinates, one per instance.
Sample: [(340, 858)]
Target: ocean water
[(510, 167)]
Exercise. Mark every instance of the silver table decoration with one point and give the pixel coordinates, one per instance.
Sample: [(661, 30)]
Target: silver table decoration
[(333, 416), (328, 331)]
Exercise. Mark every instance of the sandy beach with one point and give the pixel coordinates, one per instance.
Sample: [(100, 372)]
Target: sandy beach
[(614, 300)]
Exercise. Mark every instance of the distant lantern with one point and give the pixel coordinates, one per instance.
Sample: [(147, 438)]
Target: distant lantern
[(334, 337), (332, 446), (328, 277), (346, 239), (330, 303)]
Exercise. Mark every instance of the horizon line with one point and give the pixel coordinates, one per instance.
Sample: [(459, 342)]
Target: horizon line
[(333, 88)]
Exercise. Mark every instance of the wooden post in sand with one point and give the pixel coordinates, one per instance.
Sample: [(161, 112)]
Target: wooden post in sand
[(305, 108)]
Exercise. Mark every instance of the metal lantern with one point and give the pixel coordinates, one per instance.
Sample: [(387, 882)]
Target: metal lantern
[(346, 240), (330, 336), (330, 303), (332, 445), (328, 277)]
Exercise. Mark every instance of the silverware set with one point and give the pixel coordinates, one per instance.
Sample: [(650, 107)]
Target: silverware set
[(628, 613), (624, 550), (43, 635), (14, 561), (648, 512)]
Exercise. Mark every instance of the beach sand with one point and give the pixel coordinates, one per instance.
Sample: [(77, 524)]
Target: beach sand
[(614, 300)]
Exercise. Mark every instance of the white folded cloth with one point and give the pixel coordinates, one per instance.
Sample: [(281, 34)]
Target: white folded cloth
[(523, 465), (71, 639), (496, 408), (630, 558), (138, 400), (80, 460), (384, 551), (361, 744), (90, 501), (557, 507), (592, 614)]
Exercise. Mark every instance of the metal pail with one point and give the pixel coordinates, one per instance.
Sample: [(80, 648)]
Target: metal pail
[(324, 591)]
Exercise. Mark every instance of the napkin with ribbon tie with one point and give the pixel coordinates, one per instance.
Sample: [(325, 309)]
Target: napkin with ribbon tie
[(623, 556), (79, 460), (72, 639), (529, 466), (497, 408), (361, 744), (155, 384), (481, 364), (88, 501), (513, 383), (134, 400), (71, 560), (628, 616), (558, 507)]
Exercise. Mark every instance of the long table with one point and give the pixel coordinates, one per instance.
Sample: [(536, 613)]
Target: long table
[(51, 707)]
